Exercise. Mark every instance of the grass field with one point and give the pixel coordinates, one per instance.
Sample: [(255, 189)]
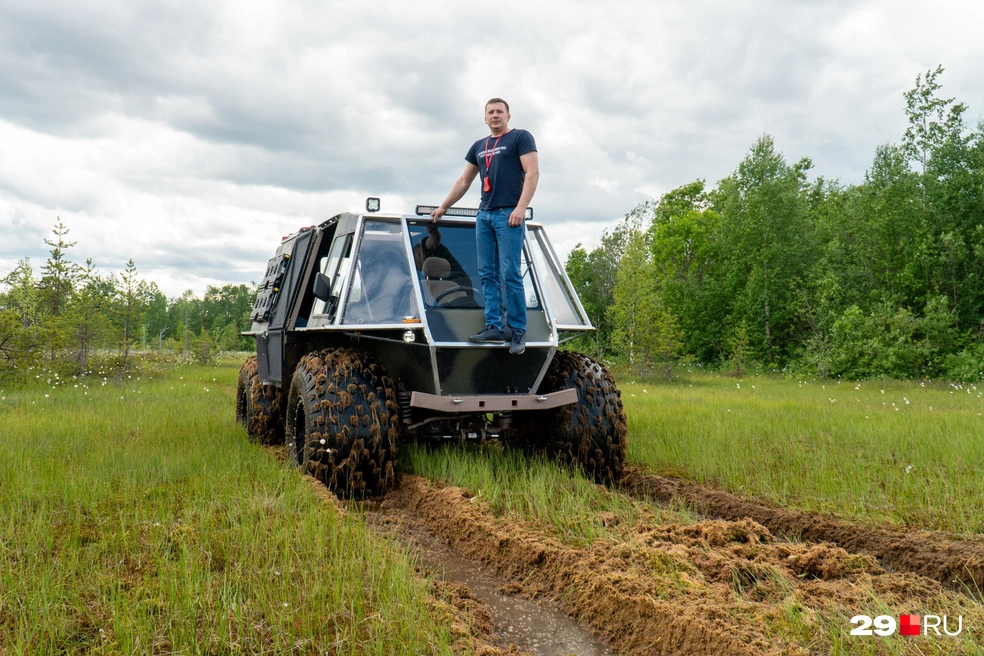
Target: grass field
[(905, 453), (136, 518)]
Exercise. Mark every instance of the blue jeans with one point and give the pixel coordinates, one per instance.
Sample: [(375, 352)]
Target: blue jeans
[(500, 251)]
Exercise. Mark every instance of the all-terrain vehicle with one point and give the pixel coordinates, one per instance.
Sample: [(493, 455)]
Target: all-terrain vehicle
[(361, 327)]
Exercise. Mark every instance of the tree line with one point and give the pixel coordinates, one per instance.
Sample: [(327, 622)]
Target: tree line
[(773, 269), (768, 269), (70, 318)]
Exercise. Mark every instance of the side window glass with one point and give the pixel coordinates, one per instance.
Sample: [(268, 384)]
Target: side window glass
[(381, 291), (559, 299), (333, 266)]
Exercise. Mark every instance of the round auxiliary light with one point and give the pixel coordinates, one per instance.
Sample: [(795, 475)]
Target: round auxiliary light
[(409, 336)]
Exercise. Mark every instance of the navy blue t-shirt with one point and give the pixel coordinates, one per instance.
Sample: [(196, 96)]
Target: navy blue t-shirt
[(505, 171)]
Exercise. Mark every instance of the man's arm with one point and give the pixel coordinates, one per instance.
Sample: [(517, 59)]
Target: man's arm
[(531, 166), (458, 189)]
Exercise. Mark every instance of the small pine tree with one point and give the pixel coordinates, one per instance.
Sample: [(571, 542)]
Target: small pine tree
[(58, 275), (129, 305)]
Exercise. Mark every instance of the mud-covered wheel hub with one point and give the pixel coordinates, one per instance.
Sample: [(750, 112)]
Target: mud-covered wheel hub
[(342, 422), (590, 433), (258, 406)]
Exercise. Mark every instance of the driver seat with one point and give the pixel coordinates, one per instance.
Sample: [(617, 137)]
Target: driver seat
[(436, 271)]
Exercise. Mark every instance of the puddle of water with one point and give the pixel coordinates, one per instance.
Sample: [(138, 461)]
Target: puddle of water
[(533, 628)]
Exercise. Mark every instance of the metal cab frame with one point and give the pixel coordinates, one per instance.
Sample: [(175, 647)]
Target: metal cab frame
[(360, 281)]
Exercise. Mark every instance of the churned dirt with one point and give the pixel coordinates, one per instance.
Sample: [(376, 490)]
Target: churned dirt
[(957, 561), (717, 586)]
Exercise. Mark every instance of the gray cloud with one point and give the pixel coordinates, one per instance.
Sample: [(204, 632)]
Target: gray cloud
[(191, 136)]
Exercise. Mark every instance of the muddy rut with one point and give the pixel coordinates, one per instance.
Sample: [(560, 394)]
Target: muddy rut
[(954, 560), (717, 586)]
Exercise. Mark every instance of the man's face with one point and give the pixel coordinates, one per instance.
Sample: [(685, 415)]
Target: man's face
[(496, 117)]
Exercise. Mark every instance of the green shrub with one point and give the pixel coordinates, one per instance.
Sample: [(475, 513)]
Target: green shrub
[(965, 366), (888, 342)]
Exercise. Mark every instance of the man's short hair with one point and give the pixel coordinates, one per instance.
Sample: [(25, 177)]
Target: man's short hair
[(497, 100)]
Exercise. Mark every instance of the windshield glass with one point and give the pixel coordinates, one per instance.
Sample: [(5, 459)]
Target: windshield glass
[(381, 289), (446, 260)]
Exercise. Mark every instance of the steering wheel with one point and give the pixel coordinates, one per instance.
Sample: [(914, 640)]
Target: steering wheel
[(460, 288)]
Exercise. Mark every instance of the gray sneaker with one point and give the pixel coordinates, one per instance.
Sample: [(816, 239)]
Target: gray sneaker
[(518, 344), (491, 335)]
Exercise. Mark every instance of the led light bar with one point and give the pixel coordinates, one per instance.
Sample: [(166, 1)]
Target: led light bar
[(424, 210)]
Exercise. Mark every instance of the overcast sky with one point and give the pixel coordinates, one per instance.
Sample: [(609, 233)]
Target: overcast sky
[(190, 136)]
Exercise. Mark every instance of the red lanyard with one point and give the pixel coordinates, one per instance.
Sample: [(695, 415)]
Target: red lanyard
[(488, 160), (488, 155)]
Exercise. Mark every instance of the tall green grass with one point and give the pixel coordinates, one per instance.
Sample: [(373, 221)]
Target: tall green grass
[(557, 499), (906, 453), (137, 518)]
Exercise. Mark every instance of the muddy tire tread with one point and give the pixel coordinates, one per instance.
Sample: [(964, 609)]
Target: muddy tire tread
[(591, 433), (258, 406), (347, 404)]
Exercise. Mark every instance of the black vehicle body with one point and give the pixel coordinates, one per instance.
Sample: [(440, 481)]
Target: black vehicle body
[(404, 292)]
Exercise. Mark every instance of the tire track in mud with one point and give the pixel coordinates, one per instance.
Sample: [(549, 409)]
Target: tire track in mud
[(713, 587), (466, 615), (956, 561), (541, 566)]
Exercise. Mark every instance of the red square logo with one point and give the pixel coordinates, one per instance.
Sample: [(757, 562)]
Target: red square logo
[(909, 625)]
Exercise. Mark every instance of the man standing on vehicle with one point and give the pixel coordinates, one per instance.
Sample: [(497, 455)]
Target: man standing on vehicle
[(509, 166)]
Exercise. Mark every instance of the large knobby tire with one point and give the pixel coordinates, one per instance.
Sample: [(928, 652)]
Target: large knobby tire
[(590, 433), (258, 406), (342, 422)]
